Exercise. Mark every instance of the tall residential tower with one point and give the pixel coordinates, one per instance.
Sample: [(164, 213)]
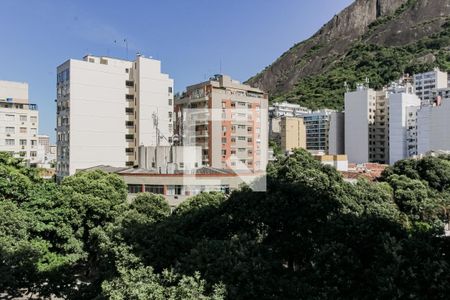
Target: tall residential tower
[(107, 108)]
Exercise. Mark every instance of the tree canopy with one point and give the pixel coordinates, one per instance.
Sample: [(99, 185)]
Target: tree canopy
[(311, 235)]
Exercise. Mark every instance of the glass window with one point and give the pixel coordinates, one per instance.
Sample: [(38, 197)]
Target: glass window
[(23, 118), (10, 130), (23, 130), (10, 118), (155, 189), (10, 142), (33, 119), (23, 142), (134, 188)]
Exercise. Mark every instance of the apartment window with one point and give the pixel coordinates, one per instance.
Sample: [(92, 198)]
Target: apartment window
[(241, 138), (129, 163), (23, 118), (129, 123), (181, 165), (233, 140), (129, 150), (129, 110), (129, 83), (129, 136), (224, 140), (10, 130), (154, 189), (22, 153), (33, 153), (33, 119), (23, 130), (129, 97), (170, 89), (10, 118), (33, 143), (23, 142), (170, 101), (10, 142), (224, 152), (33, 131), (127, 70), (170, 115), (233, 152), (134, 188)]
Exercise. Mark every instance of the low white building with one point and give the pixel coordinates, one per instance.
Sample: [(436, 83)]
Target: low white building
[(286, 109), (168, 159), (19, 121)]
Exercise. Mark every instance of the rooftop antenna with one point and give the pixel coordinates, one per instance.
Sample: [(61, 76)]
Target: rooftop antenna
[(346, 86)]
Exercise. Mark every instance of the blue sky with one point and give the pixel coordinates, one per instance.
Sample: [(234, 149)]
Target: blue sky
[(190, 37)]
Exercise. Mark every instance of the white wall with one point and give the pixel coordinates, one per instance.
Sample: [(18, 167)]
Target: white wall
[(336, 135), (153, 97), (357, 125), (97, 114), (398, 104), (434, 128)]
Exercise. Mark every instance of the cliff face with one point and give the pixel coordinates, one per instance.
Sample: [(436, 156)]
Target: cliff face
[(380, 22)]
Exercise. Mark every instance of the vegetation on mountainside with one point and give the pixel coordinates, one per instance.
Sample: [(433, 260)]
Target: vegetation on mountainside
[(310, 236), (380, 64)]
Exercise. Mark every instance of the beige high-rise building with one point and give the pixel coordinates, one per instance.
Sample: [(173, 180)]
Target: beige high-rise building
[(18, 121), (293, 133), (229, 120)]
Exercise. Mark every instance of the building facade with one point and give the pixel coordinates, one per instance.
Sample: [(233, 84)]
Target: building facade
[(426, 83), (19, 122), (433, 125), (170, 159), (107, 108), (403, 106), (324, 131), (366, 125), (229, 120), (281, 109), (293, 133)]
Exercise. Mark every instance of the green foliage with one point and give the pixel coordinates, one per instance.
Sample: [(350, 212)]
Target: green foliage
[(311, 235)]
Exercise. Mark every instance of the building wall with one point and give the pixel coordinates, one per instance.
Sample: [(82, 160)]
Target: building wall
[(168, 159), (357, 124), (336, 134), (425, 83), (399, 104), (19, 121), (154, 94), (293, 133), (105, 110), (433, 128)]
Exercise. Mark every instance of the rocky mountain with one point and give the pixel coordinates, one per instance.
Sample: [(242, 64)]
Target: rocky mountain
[(378, 39)]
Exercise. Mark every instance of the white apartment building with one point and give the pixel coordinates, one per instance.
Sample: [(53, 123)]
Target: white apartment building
[(19, 121), (425, 83), (433, 124), (107, 108), (286, 109), (366, 125), (403, 106)]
